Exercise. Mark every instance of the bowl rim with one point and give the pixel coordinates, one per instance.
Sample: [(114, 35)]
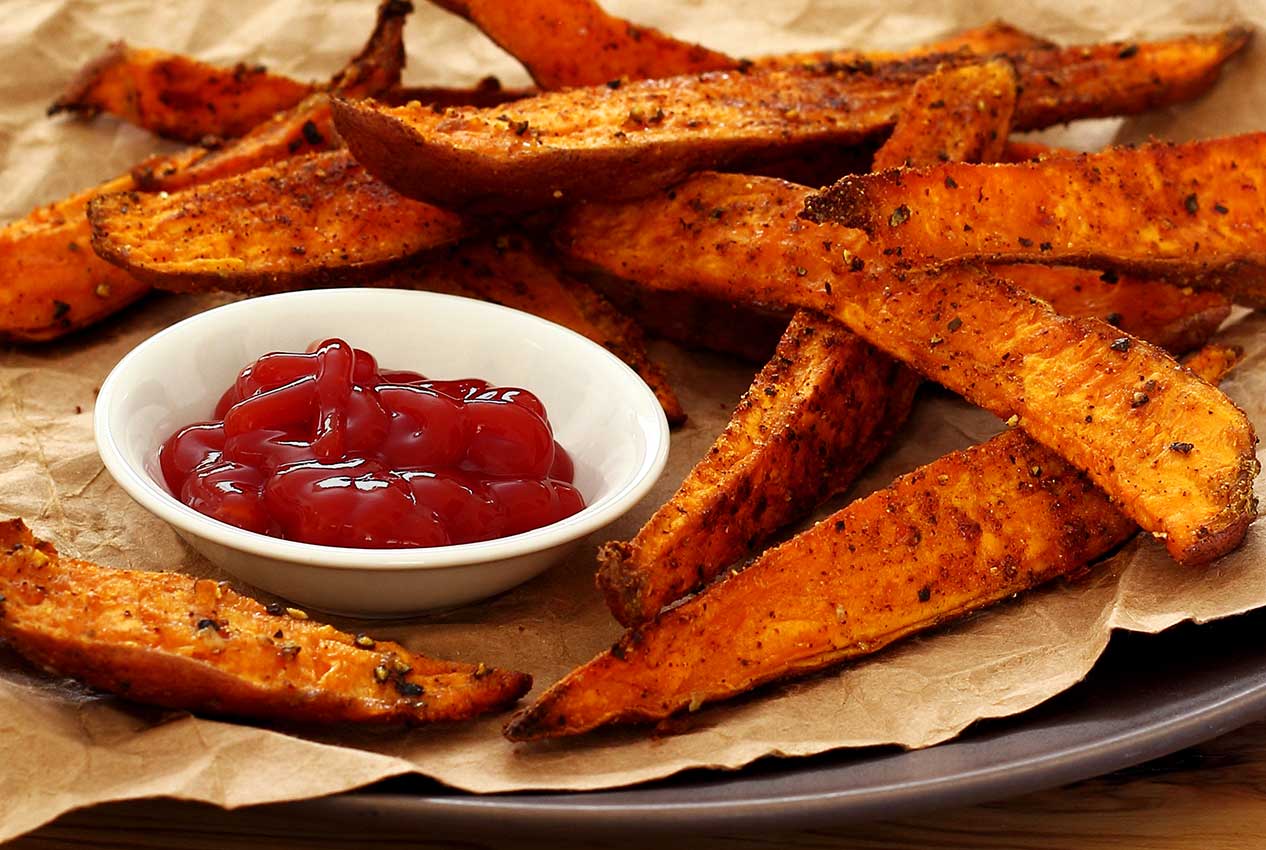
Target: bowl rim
[(143, 489)]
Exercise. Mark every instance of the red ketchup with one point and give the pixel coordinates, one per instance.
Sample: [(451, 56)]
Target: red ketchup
[(325, 447)]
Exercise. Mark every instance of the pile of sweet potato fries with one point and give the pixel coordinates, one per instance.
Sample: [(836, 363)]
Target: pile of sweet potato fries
[(1051, 288)]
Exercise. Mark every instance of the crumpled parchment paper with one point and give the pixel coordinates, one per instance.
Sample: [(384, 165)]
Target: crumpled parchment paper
[(62, 747)]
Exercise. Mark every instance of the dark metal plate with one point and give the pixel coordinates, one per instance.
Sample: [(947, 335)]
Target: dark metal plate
[(1150, 695)]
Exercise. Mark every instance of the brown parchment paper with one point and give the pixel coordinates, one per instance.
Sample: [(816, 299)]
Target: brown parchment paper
[(62, 747)]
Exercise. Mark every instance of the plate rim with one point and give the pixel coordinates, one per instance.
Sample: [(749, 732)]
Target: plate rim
[(541, 812)]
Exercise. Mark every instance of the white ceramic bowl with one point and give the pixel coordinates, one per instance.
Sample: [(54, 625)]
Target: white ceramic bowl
[(602, 413)]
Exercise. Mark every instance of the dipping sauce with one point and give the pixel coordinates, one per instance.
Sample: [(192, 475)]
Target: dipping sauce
[(325, 447)]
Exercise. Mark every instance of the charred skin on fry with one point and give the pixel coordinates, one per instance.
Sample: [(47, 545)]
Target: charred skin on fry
[(561, 147), (170, 640)]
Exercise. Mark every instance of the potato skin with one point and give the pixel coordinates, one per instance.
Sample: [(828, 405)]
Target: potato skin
[(170, 640), (599, 142), (967, 530), (302, 222), (1007, 352), (177, 96), (1194, 213)]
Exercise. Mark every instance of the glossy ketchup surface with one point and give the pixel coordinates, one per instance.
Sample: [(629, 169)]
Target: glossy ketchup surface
[(325, 447)]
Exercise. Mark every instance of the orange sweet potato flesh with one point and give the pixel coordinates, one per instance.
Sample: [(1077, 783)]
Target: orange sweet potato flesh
[(819, 412), (954, 115), (561, 147), (575, 43), (302, 222), (814, 418), (171, 640), (1176, 319), (967, 530), (178, 96), (53, 284), (511, 271), (1191, 212), (1113, 413)]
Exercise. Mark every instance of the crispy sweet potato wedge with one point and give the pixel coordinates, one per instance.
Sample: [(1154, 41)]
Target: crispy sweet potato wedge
[(178, 96), (575, 43), (511, 271), (985, 40), (598, 142), (304, 221), (1191, 212), (820, 410), (305, 128), (170, 640), (52, 283), (814, 418), (965, 531), (696, 235), (965, 329), (958, 115)]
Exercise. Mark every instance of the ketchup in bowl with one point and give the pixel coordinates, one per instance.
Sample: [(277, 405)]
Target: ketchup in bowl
[(325, 447)]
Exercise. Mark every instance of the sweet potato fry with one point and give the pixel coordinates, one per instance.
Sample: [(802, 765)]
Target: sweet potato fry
[(820, 410), (973, 333), (306, 128), (643, 241), (965, 531), (178, 96), (814, 418), (511, 271), (302, 222), (1190, 212), (575, 43), (960, 115), (985, 40), (561, 147), (53, 283), (170, 640), (1177, 320)]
